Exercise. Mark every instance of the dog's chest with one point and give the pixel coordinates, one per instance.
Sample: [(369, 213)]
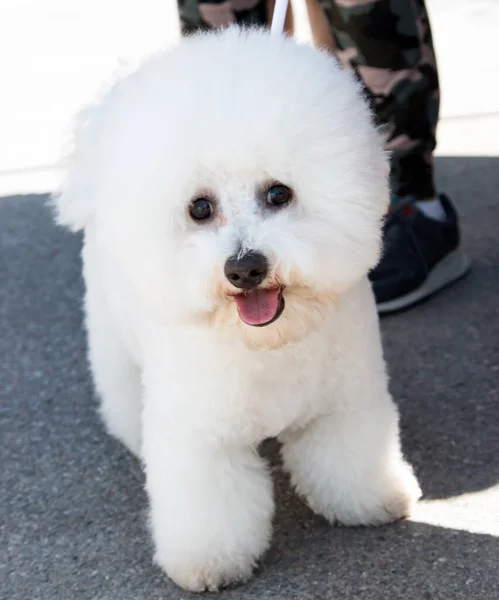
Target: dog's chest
[(287, 393)]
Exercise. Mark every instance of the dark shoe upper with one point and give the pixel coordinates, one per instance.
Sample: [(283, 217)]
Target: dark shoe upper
[(412, 245)]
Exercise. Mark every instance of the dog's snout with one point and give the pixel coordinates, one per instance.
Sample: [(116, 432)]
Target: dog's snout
[(247, 271)]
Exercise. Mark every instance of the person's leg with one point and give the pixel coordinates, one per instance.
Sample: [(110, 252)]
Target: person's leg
[(388, 44), (213, 14)]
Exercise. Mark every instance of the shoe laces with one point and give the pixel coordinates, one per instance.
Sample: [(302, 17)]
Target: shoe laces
[(401, 208)]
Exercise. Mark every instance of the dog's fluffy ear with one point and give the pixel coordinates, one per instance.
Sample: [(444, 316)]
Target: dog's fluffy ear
[(74, 201)]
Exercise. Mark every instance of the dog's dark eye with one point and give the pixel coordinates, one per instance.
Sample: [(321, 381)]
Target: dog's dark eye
[(201, 209), (279, 195)]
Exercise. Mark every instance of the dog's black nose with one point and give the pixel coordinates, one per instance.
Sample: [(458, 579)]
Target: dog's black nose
[(247, 271)]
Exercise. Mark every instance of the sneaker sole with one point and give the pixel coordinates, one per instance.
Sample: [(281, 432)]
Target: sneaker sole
[(451, 268)]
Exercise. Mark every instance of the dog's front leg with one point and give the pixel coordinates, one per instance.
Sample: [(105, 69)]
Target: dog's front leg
[(211, 505), (349, 466)]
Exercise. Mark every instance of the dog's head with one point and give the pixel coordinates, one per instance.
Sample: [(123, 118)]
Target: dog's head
[(236, 180)]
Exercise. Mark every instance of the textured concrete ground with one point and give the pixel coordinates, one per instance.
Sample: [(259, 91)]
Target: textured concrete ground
[(73, 521)]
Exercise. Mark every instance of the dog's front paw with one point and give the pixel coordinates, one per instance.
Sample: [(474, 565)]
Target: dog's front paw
[(392, 501), (210, 576)]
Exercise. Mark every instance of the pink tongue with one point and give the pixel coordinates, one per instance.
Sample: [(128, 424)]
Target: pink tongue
[(258, 306)]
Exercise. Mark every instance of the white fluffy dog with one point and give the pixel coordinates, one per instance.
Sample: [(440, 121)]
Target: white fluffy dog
[(231, 192)]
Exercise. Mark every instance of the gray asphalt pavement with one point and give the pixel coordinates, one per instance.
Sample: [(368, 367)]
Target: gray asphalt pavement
[(73, 522)]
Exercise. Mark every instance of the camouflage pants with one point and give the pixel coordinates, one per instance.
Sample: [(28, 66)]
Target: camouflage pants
[(388, 44)]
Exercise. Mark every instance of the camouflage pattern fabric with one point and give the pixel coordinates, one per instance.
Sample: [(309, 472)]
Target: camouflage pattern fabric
[(388, 44), (208, 14)]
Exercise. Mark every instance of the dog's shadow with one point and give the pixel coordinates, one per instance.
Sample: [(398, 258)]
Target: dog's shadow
[(95, 529)]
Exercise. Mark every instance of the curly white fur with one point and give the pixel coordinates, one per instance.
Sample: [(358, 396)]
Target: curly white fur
[(183, 381)]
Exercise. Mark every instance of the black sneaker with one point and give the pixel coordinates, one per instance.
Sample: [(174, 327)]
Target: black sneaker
[(420, 256)]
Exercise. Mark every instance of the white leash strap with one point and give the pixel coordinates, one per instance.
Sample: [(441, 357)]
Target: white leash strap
[(279, 16)]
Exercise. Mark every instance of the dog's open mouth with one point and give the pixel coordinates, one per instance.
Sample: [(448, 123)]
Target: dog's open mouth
[(260, 307)]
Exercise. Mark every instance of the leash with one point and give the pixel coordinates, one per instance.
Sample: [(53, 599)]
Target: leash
[(279, 16)]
